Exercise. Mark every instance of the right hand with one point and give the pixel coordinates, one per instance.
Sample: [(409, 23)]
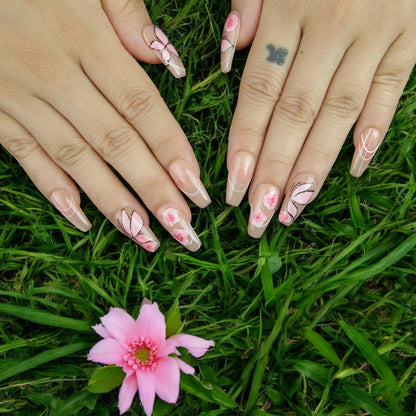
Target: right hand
[(74, 101)]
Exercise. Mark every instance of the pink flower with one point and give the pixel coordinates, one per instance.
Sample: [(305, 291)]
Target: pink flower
[(170, 216), (149, 360)]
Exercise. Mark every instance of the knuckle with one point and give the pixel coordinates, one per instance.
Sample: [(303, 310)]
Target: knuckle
[(297, 109), (343, 104), (137, 104), (322, 153), (19, 146), (115, 142), (278, 162), (70, 154), (261, 87), (164, 145), (392, 78)]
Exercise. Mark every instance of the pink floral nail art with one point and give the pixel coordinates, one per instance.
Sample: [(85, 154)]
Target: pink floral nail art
[(229, 40), (180, 229), (258, 218), (134, 227), (300, 195), (164, 49), (270, 200)]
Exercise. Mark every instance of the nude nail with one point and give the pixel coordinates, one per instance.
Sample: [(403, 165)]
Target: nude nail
[(265, 200), (131, 224), (164, 50), (301, 193), (368, 143), (65, 203), (189, 183), (229, 40), (239, 177), (180, 229)]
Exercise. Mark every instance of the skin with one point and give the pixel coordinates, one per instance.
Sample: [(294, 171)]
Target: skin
[(75, 102), (314, 70)]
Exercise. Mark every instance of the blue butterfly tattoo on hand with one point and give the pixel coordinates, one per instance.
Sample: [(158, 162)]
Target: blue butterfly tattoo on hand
[(277, 55)]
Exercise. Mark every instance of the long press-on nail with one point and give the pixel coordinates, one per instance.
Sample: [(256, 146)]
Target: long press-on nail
[(301, 192), (229, 40), (189, 183), (65, 203), (180, 229), (131, 223), (239, 177), (164, 50), (368, 143), (265, 200)]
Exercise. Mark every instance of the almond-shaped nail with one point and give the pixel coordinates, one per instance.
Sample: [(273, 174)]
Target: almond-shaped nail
[(65, 203), (164, 50), (263, 207), (131, 224), (179, 228), (229, 40), (239, 177), (189, 183), (301, 192), (368, 143)]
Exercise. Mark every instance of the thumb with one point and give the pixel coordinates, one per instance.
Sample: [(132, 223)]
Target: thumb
[(140, 37), (239, 29)]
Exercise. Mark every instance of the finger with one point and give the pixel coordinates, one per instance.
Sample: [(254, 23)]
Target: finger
[(386, 90), (51, 180), (136, 98), (265, 73), (143, 40), (239, 29), (342, 105)]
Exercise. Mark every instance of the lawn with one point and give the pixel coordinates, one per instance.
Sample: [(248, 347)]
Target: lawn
[(314, 319)]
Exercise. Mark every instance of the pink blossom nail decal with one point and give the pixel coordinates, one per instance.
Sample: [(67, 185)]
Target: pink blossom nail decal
[(301, 193), (164, 49), (229, 40), (265, 200), (180, 229), (134, 227)]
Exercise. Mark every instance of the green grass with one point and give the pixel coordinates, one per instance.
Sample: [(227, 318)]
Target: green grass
[(315, 319)]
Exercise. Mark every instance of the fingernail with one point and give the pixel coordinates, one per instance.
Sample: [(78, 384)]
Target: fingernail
[(131, 224), (239, 177), (368, 143), (265, 200), (229, 40), (189, 183), (65, 203), (164, 50), (301, 192), (179, 228)]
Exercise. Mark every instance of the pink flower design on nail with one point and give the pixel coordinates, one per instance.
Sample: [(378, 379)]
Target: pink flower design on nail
[(150, 360), (163, 46), (231, 22), (301, 195), (270, 200), (133, 227), (170, 216), (182, 236), (258, 218)]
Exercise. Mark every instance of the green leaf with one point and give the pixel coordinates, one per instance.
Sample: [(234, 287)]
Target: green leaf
[(173, 320), (41, 358), (44, 318), (325, 348), (315, 371), (105, 379), (212, 394), (362, 400)]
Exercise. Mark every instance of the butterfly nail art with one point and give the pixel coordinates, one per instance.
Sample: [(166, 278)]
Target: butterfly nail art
[(301, 194), (134, 227), (163, 48)]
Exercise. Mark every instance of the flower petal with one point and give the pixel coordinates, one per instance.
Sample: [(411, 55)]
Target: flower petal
[(146, 381), (167, 379), (127, 391), (107, 351), (100, 330), (119, 324), (186, 368), (195, 345), (151, 324)]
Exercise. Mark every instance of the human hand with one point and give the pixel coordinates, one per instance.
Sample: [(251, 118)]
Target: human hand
[(314, 69), (74, 101)]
